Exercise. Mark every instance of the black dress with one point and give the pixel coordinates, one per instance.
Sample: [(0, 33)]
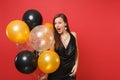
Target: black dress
[(67, 61)]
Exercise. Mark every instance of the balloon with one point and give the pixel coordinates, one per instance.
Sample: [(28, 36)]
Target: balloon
[(49, 25), (17, 31), (48, 61), (32, 18), (26, 62), (41, 38)]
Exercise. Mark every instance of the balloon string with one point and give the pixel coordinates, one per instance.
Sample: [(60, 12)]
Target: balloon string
[(18, 46)]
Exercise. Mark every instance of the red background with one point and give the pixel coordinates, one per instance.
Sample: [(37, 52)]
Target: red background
[(96, 22)]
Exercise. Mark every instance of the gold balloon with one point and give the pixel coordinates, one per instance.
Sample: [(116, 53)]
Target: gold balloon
[(17, 31), (49, 25), (48, 61)]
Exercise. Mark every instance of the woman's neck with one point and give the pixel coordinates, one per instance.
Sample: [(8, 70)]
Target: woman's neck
[(64, 33)]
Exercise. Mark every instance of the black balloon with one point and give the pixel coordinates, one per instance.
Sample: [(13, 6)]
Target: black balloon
[(32, 18), (26, 62)]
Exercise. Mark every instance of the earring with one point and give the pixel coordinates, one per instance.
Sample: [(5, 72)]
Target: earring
[(65, 28)]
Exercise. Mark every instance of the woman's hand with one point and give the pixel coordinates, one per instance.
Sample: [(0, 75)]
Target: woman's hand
[(73, 71), (44, 77)]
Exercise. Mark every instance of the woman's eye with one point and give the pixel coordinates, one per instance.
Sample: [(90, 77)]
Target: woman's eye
[(59, 22)]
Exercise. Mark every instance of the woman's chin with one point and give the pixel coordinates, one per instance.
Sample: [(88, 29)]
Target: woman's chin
[(59, 32)]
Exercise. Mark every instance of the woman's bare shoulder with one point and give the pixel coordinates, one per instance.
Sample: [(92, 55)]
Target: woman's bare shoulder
[(74, 34)]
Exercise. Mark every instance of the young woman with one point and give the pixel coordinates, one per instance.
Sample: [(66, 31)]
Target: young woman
[(66, 47)]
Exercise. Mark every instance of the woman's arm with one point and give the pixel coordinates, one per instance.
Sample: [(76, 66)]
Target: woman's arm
[(74, 69)]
